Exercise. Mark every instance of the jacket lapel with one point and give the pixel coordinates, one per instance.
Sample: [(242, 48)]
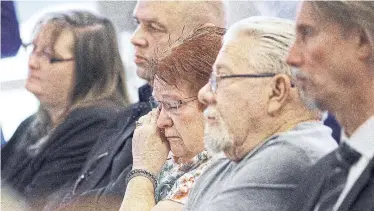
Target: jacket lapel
[(362, 182), (309, 191)]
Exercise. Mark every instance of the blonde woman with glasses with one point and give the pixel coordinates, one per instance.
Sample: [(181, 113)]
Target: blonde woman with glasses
[(76, 73)]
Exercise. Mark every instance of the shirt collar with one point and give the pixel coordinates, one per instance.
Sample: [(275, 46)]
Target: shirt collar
[(145, 92), (362, 140)]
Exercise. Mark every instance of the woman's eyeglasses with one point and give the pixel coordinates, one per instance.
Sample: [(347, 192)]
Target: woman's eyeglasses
[(170, 106), (30, 49)]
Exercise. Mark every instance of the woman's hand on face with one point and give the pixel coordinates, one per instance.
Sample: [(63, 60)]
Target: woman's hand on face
[(149, 147)]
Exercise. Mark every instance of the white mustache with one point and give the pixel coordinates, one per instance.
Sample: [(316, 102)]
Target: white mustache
[(297, 73), (211, 112)]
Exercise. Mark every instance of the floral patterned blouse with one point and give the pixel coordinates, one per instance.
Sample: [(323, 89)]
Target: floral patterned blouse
[(176, 180)]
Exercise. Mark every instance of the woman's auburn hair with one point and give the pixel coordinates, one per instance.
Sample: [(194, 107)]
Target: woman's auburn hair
[(189, 60)]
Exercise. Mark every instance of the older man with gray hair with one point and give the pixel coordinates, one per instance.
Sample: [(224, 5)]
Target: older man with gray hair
[(255, 116)]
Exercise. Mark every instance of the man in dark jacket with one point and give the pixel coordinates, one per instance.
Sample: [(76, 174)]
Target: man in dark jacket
[(334, 50)]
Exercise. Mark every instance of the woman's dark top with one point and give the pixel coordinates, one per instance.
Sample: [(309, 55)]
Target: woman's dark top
[(61, 160)]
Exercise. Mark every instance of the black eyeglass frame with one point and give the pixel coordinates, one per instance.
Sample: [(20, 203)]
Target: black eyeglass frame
[(213, 83), (51, 59)]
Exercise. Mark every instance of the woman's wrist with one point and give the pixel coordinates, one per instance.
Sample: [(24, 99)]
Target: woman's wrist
[(151, 168), (143, 173)]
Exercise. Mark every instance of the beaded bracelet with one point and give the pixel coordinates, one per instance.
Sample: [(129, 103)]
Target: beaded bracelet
[(144, 173)]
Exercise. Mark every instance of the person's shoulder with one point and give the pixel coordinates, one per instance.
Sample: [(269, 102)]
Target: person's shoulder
[(28, 120), (217, 166), (93, 111), (322, 165), (128, 115), (86, 119), (17, 135), (276, 150), (25, 124), (275, 162), (311, 140), (91, 115)]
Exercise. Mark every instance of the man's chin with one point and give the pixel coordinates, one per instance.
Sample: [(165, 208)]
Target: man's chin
[(216, 139), (309, 100), (144, 73)]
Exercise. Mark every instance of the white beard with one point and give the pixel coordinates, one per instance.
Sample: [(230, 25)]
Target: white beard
[(217, 138)]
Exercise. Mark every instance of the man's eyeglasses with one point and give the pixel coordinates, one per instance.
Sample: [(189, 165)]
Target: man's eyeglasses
[(30, 49), (214, 77), (170, 106)]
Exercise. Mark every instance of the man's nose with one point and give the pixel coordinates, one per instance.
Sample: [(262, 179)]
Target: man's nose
[(206, 96), (138, 39), (294, 56)]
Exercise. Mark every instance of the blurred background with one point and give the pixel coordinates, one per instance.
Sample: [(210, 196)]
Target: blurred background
[(16, 103)]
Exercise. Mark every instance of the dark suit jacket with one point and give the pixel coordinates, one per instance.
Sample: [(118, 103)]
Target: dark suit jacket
[(102, 183), (360, 197), (35, 177)]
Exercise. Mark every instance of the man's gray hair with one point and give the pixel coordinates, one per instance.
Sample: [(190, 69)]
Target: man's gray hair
[(271, 37), (349, 14)]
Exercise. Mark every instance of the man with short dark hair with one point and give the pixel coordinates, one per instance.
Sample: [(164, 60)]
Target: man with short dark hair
[(161, 23)]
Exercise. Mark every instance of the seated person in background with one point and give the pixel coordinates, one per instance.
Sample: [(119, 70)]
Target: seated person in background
[(10, 37), (255, 115), (3, 142), (76, 73), (168, 141)]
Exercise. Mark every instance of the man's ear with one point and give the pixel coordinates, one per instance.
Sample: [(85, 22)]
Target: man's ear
[(279, 93), (364, 44)]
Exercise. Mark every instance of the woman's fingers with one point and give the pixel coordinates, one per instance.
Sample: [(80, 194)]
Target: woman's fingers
[(145, 119), (154, 115)]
